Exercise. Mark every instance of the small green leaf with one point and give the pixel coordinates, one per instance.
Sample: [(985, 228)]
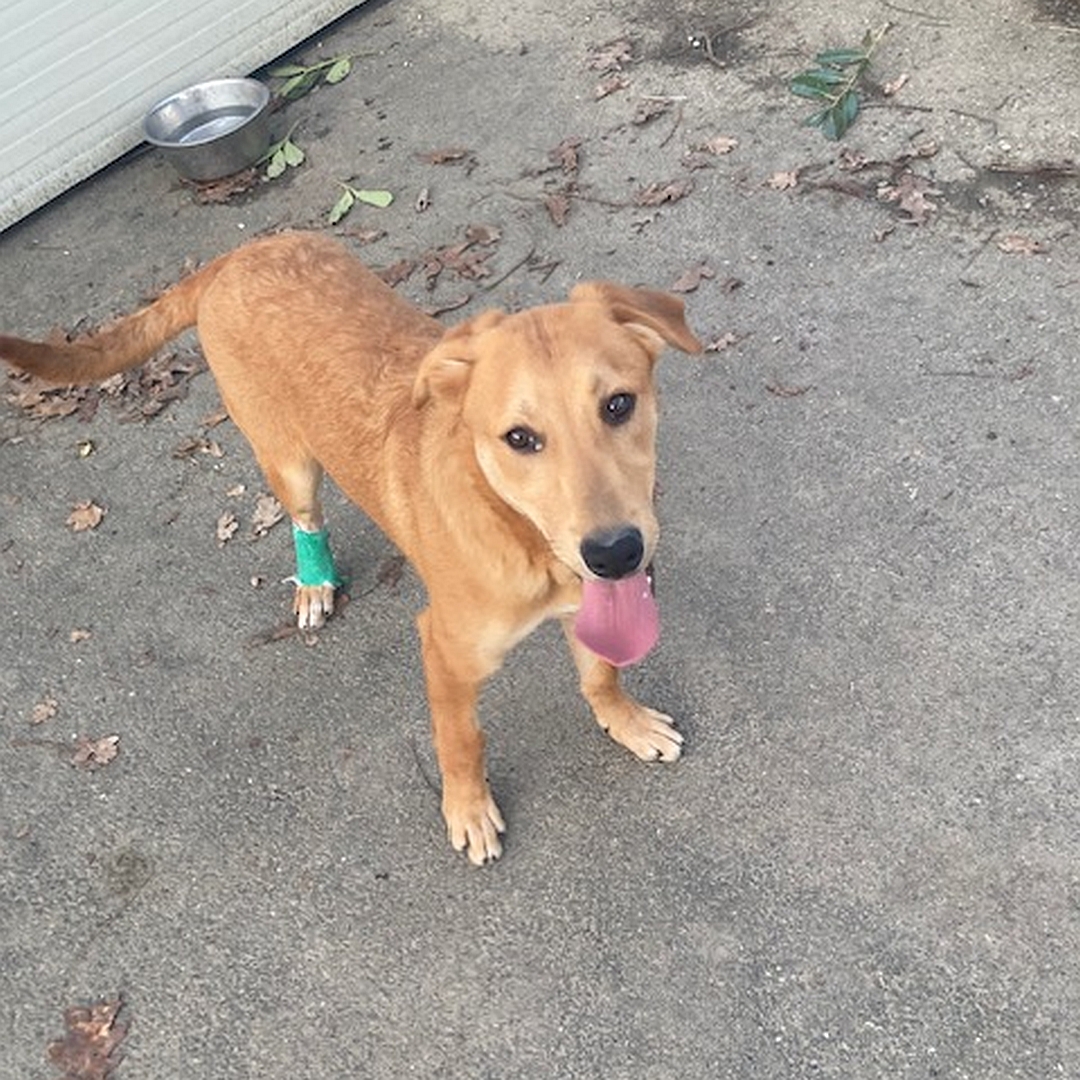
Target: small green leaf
[(841, 116), (292, 153), (381, 199), (810, 84), (831, 125), (849, 105), (341, 67), (277, 165), (817, 119), (841, 57), (829, 75), (288, 91), (299, 85), (342, 206)]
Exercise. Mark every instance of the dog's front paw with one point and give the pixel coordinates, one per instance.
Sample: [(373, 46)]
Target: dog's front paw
[(473, 824), (649, 734), (313, 605)]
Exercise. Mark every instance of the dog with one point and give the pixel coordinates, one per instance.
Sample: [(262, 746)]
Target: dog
[(510, 458)]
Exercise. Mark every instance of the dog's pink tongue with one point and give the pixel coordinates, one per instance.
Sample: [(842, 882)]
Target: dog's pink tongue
[(618, 620)]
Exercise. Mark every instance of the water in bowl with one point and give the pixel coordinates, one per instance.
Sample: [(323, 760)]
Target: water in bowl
[(213, 124)]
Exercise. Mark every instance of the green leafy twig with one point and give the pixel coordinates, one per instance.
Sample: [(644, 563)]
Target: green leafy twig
[(834, 82), (351, 196), (282, 155), (301, 79)]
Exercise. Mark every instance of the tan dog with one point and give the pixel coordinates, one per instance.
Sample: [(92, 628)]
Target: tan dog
[(510, 458)]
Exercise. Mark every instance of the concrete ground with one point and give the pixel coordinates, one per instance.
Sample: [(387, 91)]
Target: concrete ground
[(867, 863)]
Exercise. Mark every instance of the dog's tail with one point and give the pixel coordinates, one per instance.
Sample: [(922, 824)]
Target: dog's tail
[(118, 346)]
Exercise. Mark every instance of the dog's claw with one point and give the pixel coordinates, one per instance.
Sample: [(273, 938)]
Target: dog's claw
[(313, 605), (649, 734), (475, 830)]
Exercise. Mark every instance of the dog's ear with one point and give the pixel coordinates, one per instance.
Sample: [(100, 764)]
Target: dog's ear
[(656, 317), (445, 371)]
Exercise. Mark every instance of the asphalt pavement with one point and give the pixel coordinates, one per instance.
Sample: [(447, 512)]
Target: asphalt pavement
[(866, 864)]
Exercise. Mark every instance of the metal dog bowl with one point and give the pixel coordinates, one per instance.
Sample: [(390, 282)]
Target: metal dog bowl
[(212, 129)]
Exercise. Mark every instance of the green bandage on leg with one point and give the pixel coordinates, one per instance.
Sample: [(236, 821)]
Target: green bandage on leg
[(314, 563)]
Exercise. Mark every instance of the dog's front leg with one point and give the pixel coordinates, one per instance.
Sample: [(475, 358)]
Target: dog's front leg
[(454, 676), (644, 731)]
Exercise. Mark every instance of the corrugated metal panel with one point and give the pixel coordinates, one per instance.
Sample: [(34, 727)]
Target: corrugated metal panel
[(77, 76)]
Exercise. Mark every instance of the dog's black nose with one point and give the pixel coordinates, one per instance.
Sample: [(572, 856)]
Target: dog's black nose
[(614, 553)]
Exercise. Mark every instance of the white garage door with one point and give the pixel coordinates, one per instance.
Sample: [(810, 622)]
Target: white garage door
[(77, 76)]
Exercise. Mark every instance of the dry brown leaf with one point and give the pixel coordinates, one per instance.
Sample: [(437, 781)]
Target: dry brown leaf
[(221, 191), (44, 710), (558, 208), (226, 528), (114, 385), (52, 406), (196, 444), (484, 235), (42, 401), (894, 86), (457, 258), (471, 265), (565, 155), (212, 420), (911, 194), (671, 191), (611, 56), (650, 108), (852, 160), (148, 389), (610, 84), (724, 342), (450, 155), (93, 753), (89, 1047), (691, 278), (161, 380), (696, 159), (396, 273), (85, 515), (718, 145), (785, 390), (783, 180), (268, 512), (1017, 244)]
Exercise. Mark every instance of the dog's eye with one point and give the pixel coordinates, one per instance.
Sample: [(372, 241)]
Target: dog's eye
[(618, 409), (524, 440)]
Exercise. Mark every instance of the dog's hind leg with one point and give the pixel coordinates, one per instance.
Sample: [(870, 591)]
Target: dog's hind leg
[(649, 734)]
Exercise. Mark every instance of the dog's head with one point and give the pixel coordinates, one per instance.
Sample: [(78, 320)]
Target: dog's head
[(561, 406)]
